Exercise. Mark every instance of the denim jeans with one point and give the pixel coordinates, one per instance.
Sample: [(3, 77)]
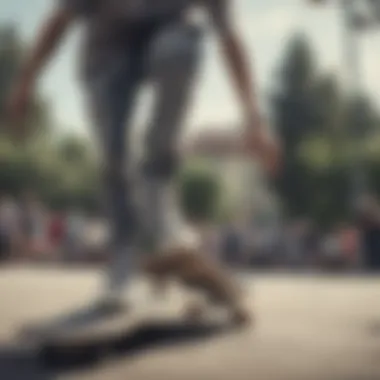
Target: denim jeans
[(167, 58)]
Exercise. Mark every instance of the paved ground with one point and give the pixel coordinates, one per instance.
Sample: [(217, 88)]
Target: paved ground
[(307, 328)]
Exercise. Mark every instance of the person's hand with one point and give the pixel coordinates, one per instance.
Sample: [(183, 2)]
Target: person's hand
[(17, 108), (259, 142)]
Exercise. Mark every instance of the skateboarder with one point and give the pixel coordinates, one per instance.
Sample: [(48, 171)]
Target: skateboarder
[(129, 43)]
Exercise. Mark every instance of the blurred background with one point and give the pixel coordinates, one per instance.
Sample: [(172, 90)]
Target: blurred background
[(318, 78), (317, 68)]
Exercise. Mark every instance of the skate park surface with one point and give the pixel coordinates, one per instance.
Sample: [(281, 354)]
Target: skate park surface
[(307, 327)]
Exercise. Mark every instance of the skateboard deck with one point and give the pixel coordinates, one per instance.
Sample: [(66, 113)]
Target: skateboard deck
[(86, 326), (91, 335)]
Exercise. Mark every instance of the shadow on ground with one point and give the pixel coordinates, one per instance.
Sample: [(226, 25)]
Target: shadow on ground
[(18, 363)]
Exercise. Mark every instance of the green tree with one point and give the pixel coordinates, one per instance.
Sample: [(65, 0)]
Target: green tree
[(296, 117), (323, 132), (200, 194), (72, 178), (60, 168)]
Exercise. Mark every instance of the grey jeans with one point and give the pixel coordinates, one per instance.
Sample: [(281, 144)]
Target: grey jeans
[(168, 59)]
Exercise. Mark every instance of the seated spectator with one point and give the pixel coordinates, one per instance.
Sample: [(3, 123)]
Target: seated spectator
[(74, 239), (9, 228), (368, 213), (57, 231)]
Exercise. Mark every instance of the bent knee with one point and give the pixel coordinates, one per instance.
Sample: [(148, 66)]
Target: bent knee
[(161, 165)]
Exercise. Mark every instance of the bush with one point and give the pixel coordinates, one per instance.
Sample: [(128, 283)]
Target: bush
[(200, 194)]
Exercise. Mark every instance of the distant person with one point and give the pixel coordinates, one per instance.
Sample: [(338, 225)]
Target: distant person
[(96, 237), (4, 241), (311, 244), (232, 245), (349, 241), (33, 225), (295, 247), (211, 242), (75, 234), (368, 218), (57, 231), (9, 227)]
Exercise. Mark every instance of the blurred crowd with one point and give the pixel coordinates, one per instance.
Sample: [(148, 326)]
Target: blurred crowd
[(302, 244), (293, 245), (30, 231)]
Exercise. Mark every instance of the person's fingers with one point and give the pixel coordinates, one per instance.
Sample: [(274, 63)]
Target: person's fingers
[(269, 155), (258, 143)]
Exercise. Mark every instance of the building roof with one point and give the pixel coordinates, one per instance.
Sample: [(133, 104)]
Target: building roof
[(215, 142)]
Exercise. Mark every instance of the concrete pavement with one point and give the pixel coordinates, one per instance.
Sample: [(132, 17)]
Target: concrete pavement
[(308, 327)]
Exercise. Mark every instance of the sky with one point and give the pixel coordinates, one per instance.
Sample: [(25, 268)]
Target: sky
[(265, 25)]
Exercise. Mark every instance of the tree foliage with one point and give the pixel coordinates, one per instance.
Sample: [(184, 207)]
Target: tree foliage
[(200, 194), (61, 170), (323, 132)]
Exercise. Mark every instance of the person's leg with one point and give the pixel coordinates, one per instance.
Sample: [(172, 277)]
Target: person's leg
[(175, 55), (173, 58), (111, 95)]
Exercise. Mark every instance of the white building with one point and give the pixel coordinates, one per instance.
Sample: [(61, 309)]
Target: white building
[(222, 150)]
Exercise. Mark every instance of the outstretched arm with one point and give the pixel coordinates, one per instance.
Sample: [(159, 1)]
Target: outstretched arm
[(47, 41), (257, 139), (236, 58)]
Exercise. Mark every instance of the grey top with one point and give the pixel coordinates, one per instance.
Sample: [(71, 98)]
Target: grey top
[(110, 24)]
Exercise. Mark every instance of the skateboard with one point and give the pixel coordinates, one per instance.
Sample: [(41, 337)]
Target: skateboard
[(88, 324), (88, 335), (82, 334)]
